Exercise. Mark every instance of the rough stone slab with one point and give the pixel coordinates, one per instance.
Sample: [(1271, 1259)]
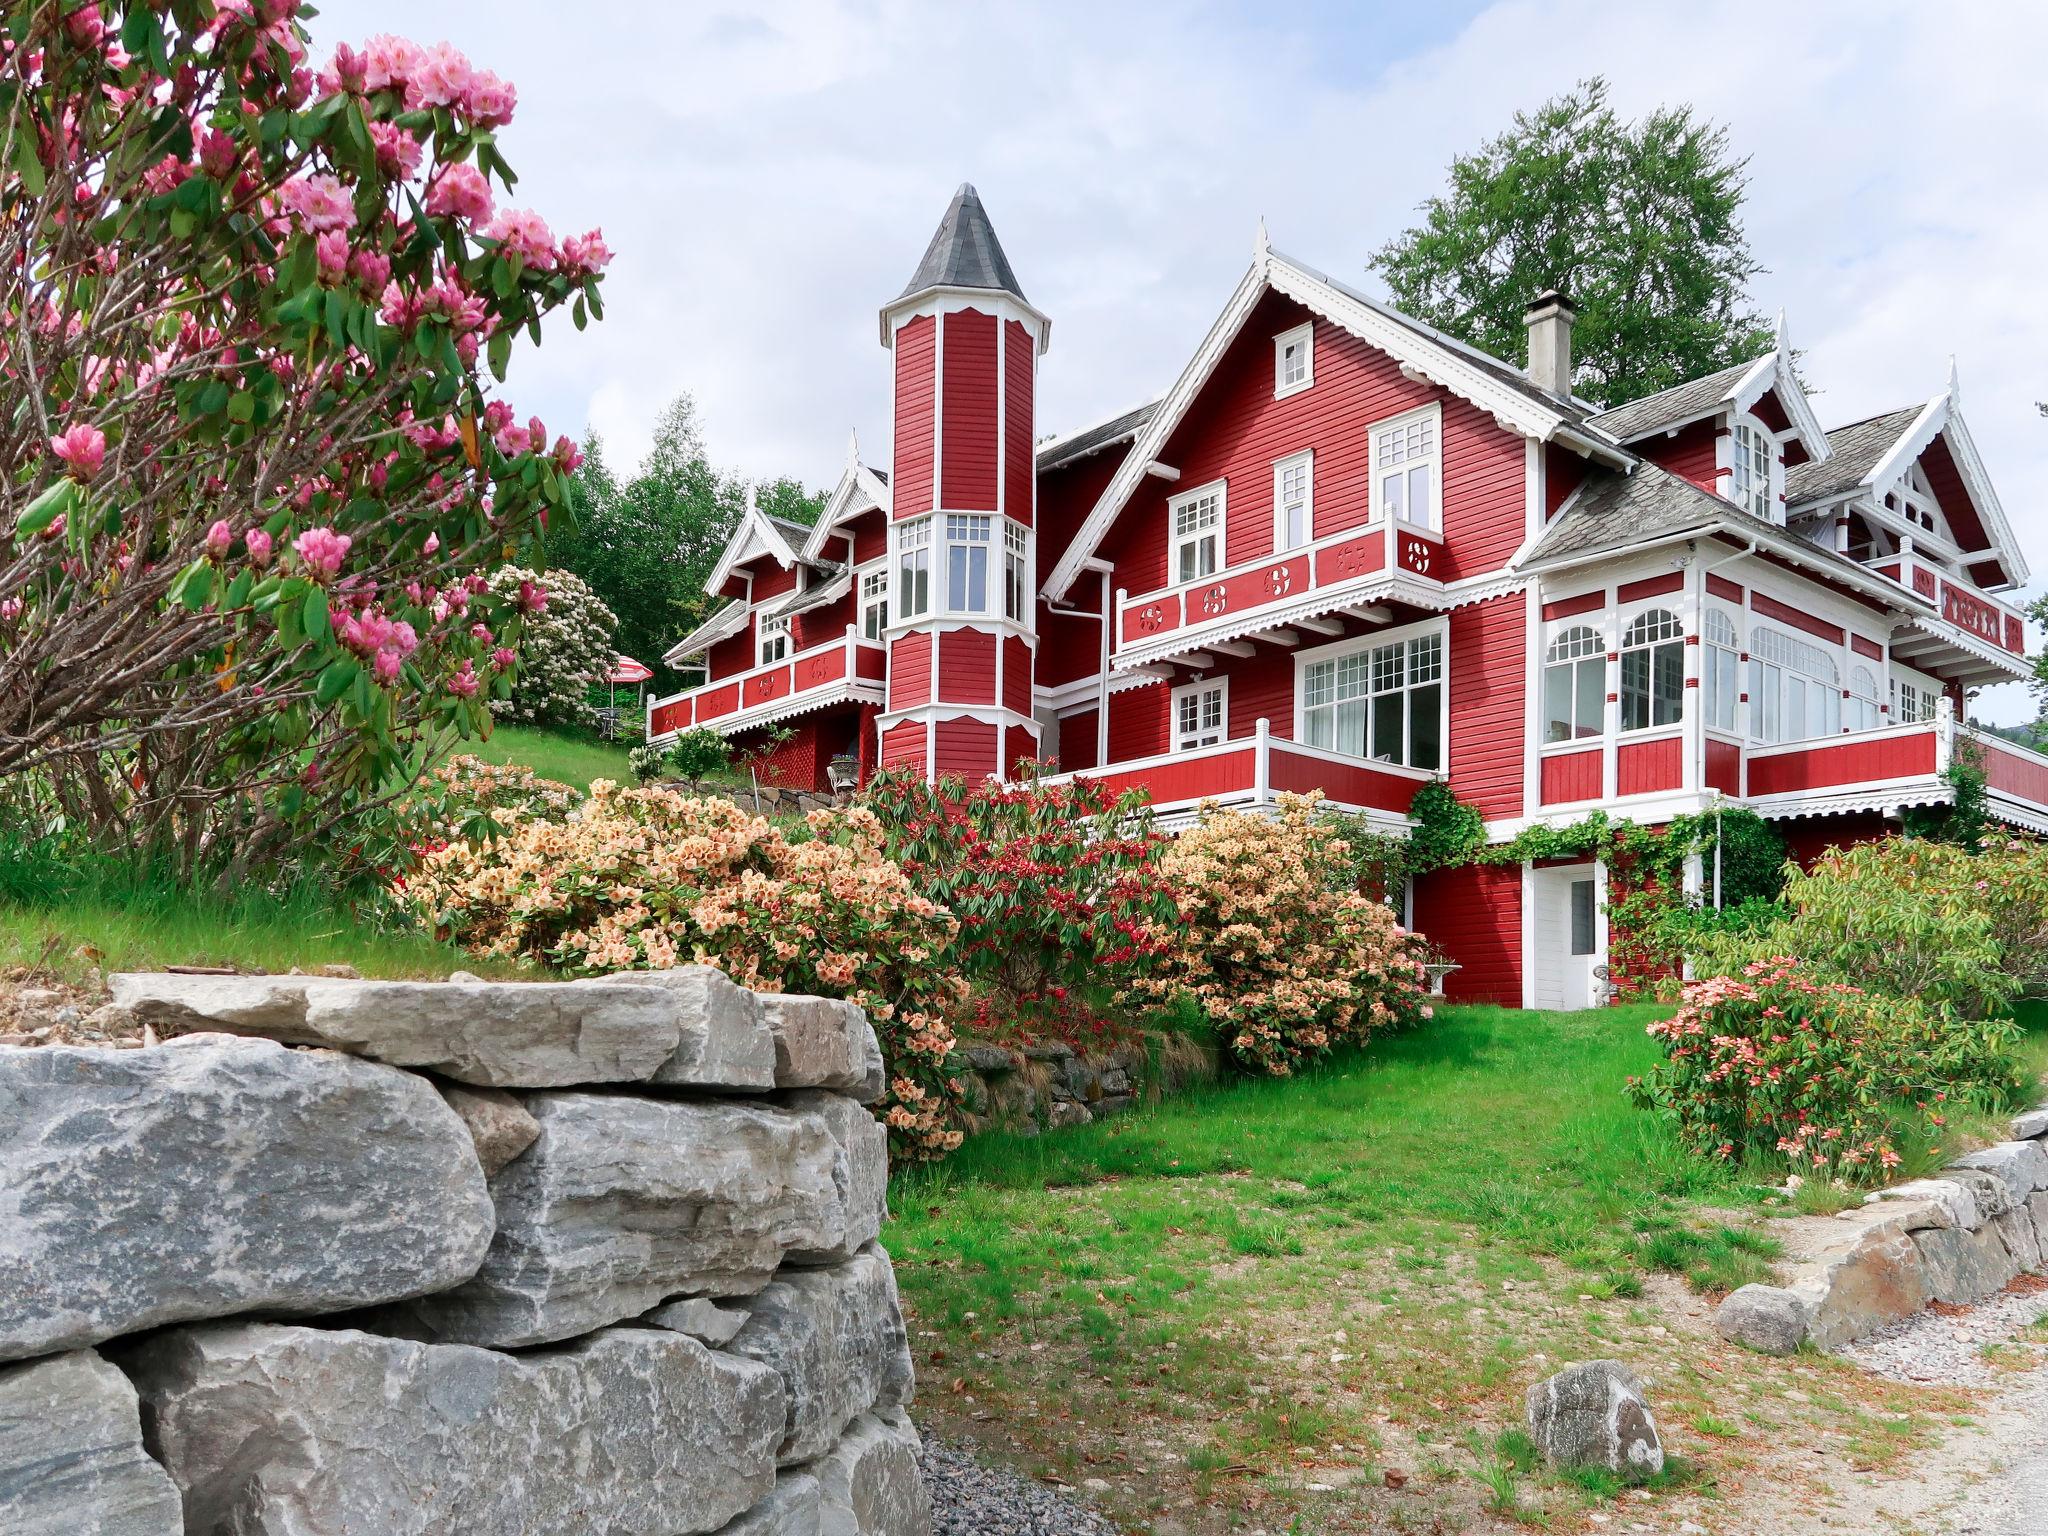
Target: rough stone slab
[(1963, 1267), (2021, 1164), (2016, 1230), (214, 1175), (624, 1203), (1990, 1190), (1875, 1278), (836, 1338), (2037, 1208), (869, 1485), (71, 1456), (1954, 1205), (1766, 1318), (279, 1431), (2032, 1125), (791, 1510), (499, 1125), (699, 1317), (723, 1042), (494, 1034), (1595, 1415), (822, 1042)]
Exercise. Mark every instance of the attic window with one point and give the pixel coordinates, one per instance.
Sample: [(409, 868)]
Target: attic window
[(1753, 452), (774, 641), (1294, 363)]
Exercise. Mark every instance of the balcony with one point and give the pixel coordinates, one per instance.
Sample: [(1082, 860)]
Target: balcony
[(1358, 567), (845, 670), (1251, 771), (1970, 634)]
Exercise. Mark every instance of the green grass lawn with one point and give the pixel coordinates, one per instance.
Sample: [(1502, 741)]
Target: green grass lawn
[(573, 760)]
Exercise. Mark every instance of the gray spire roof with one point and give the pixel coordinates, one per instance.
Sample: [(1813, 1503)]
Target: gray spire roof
[(964, 253)]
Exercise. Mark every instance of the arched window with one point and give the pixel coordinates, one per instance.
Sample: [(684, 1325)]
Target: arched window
[(1861, 711), (1575, 685), (1721, 681), (1652, 671), (1795, 688)]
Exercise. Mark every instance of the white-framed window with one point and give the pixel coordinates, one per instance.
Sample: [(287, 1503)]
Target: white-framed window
[(874, 603), (1721, 683), (1652, 671), (1016, 566), (1860, 711), (914, 568), (1912, 500), (967, 549), (1201, 714), (1294, 360), (1575, 685), (1381, 701), (772, 641), (1293, 504), (1407, 461), (1196, 521), (1752, 452), (1795, 688), (1914, 703)]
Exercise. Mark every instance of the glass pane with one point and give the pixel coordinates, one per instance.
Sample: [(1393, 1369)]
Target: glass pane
[(1420, 503), (1583, 910), (1557, 703), (1388, 726), (1426, 722), (1635, 690), (1390, 495), (1350, 735), (977, 578), (1590, 711), (1670, 684), (1317, 725)]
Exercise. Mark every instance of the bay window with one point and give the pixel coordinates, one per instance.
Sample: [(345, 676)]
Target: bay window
[(1575, 685), (1861, 710), (1293, 521), (1795, 688), (967, 542), (1721, 684), (1384, 702), (914, 568), (1652, 671), (773, 642), (1197, 533), (1753, 450), (1016, 583), (1201, 715), (1406, 459), (874, 604)]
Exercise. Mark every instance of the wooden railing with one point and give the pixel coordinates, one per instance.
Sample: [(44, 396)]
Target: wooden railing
[(837, 663)]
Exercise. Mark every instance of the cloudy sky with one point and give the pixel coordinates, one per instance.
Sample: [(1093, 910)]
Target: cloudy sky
[(769, 175)]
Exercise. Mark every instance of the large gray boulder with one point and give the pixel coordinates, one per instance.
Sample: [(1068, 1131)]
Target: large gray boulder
[(870, 1485), (623, 1203), (791, 1510), (1595, 1415), (213, 1175), (724, 1041), (2030, 1126), (1871, 1275), (1765, 1318), (71, 1456), (279, 1431), (836, 1338), (2021, 1165), (1963, 1267), (1937, 1202), (513, 1034), (822, 1042)]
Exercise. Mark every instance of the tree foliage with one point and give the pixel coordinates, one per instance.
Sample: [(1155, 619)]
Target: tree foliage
[(1638, 223)]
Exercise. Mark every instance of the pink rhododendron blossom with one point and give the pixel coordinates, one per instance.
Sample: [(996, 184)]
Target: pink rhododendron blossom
[(503, 657), (398, 152), (331, 251), (83, 447), (433, 543), (319, 202), (53, 531), (524, 234), (464, 683), (512, 440), (217, 154), (10, 610), (257, 542), (440, 76), (219, 539), (322, 550), (372, 269), (532, 598), (461, 192), (481, 633), (568, 457), (586, 253), (385, 666), (388, 62)]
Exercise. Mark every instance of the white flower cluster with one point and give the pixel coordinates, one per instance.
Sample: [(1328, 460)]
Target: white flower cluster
[(564, 652)]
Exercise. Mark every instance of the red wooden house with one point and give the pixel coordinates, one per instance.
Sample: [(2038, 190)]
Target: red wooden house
[(1345, 552)]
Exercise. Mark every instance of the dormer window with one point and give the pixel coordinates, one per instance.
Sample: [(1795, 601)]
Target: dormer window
[(1197, 532), (774, 641), (1293, 361), (1754, 452)]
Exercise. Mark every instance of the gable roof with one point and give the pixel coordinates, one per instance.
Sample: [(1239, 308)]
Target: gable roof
[(1853, 452), (722, 625), (757, 533), (1070, 446), (1612, 510), (860, 489), (1738, 387), (1670, 407)]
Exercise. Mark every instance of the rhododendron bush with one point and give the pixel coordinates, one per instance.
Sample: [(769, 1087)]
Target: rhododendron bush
[(1842, 1083), (566, 647), (645, 879), (251, 466), (1273, 938)]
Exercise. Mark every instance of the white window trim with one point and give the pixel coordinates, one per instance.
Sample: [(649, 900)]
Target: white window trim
[(1306, 459), (1220, 489), (1205, 685), (1621, 650), (862, 575), (1303, 660), (1306, 335), (992, 572), (766, 630), (1774, 467), (1553, 632), (1375, 507), (934, 572)]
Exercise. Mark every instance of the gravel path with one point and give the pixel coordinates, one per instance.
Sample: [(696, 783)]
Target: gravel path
[(969, 1499), (1947, 1348)]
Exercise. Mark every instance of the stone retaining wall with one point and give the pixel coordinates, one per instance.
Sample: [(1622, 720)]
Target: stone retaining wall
[(1958, 1237), (1048, 1085), (343, 1257)]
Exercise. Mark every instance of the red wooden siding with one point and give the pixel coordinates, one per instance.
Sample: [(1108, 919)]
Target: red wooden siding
[(1016, 675), (1474, 915), (911, 478), (1019, 421), (903, 744), (1644, 767), (1649, 586), (910, 671), (1350, 783), (1724, 766), (1069, 645), (1572, 776), (1769, 607), (1947, 484), (870, 537), (871, 661), (1567, 607), (1863, 647), (734, 654), (1722, 587), (1017, 746), (1808, 838), (1077, 739), (1487, 684), (2017, 773), (1137, 722), (967, 419), (965, 749), (1485, 492), (967, 667), (1690, 454), (1563, 473), (1194, 778), (816, 671), (1262, 687), (1849, 761)]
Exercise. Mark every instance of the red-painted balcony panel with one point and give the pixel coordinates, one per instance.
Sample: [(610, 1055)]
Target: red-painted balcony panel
[(2022, 774), (1569, 777), (1354, 557), (1296, 773), (1645, 767), (1864, 758)]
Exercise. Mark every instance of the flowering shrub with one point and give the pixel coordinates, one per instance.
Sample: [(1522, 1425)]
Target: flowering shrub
[(1776, 1062), (644, 879), (567, 646), (1274, 940)]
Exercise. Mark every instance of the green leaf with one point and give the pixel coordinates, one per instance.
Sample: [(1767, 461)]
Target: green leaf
[(337, 317), (313, 614), (49, 504), (334, 680), (237, 595), (242, 406), (193, 586), (26, 165), (499, 352)]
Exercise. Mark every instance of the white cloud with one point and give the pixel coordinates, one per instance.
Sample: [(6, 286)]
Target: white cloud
[(769, 174)]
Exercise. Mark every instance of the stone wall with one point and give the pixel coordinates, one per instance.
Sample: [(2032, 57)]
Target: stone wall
[(401, 1258), (1048, 1085)]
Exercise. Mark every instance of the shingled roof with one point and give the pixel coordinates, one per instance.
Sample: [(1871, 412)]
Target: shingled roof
[(1854, 451), (1613, 511), (964, 252), (1104, 434), (1670, 407)]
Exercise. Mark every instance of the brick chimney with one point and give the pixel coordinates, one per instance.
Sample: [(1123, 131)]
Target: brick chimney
[(1549, 318)]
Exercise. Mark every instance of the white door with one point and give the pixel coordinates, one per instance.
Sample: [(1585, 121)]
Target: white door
[(1567, 936)]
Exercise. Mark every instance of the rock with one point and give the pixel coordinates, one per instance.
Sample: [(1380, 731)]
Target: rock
[(280, 1431), (1594, 1415), (869, 1485), (1966, 1266), (988, 1058), (2022, 1242), (821, 1042), (1954, 1205), (791, 1510), (499, 1125), (624, 1202), (215, 1175), (2021, 1164), (338, 972), (723, 1040), (71, 1456), (1766, 1318), (2037, 1208), (2032, 1125), (699, 1317), (1990, 1190), (1861, 1283), (1064, 1113), (836, 1338), (509, 1034)]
